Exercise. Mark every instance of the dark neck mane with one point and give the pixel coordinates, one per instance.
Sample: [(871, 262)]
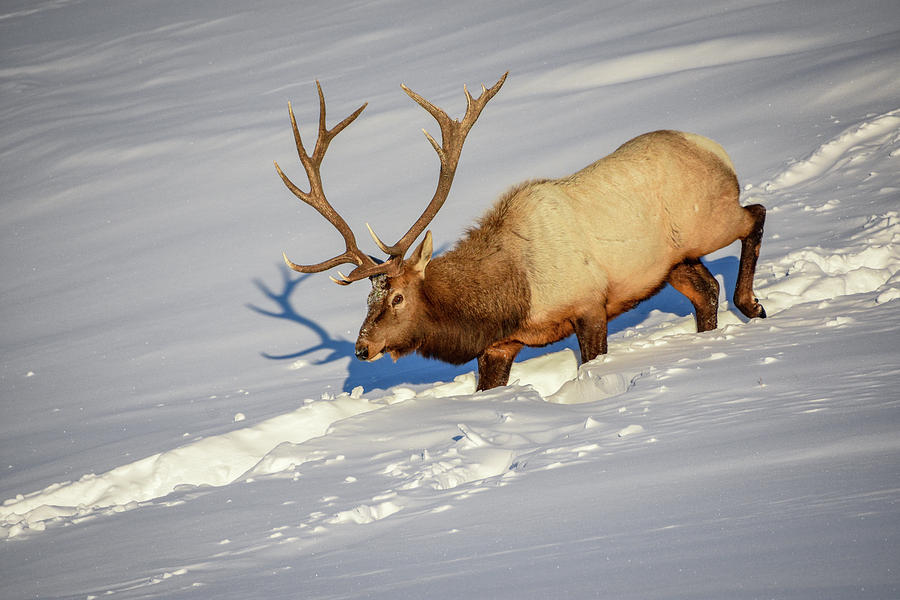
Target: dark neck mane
[(475, 294)]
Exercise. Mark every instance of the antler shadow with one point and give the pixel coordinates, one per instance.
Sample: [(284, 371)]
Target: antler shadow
[(369, 375), (337, 348)]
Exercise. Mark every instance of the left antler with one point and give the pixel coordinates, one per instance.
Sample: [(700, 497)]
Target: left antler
[(316, 196)]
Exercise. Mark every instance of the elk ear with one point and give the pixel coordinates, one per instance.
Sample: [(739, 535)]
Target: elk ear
[(421, 256)]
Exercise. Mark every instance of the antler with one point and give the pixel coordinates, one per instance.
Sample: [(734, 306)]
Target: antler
[(316, 198), (453, 134)]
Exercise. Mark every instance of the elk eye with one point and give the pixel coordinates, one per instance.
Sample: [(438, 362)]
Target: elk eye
[(396, 300)]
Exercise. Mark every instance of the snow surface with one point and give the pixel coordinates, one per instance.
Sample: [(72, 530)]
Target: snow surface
[(183, 417)]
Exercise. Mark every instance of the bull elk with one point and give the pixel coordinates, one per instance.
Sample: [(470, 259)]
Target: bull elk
[(552, 257)]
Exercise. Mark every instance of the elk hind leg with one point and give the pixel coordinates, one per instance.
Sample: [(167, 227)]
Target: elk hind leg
[(495, 363), (694, 280), (744, 298), (590, 330)]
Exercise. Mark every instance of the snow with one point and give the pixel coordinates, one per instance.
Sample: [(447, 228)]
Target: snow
[(183, 417)]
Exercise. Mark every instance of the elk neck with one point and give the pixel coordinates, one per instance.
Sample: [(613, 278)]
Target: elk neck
[(475, 294)]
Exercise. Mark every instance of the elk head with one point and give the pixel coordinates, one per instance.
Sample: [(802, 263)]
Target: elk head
[(397, 305)]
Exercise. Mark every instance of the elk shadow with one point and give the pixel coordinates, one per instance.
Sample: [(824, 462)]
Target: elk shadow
[(418, 370), (371, 375)]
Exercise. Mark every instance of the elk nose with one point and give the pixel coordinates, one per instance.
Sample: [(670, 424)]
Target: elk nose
[(362, 352)]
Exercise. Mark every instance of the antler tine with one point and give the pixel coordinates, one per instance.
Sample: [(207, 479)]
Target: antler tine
[(453, 134), (326, 135), (316, 196)]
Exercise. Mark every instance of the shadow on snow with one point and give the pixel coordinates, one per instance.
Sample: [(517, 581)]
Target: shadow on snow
[(414, 369)]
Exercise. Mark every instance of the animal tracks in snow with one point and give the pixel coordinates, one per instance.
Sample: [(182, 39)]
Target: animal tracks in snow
[(861, 145), (861, 162), (472, 441)]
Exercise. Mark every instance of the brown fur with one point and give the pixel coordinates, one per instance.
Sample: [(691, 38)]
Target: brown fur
[(475, 294)]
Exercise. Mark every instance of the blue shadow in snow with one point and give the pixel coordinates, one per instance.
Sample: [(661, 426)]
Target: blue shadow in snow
[(667, 300), (414, 369)]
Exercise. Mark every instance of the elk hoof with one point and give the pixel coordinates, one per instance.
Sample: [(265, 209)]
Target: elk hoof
[(760, 309), (751, 310)]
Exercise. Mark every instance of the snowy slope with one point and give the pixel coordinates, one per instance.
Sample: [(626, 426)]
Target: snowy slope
[(183, 418)]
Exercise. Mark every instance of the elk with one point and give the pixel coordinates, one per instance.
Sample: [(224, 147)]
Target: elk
[(552, 257)]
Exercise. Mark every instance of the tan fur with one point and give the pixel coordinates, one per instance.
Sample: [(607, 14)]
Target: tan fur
[(611, 232)]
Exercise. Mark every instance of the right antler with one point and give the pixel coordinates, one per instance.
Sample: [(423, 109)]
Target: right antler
[(453, 134), (316, 196)]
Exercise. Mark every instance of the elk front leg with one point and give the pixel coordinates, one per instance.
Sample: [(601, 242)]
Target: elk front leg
[(495, 363), (744, 298), (590, 330), (694, 280)]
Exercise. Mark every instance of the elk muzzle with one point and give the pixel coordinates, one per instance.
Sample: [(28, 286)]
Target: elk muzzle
[(367, 351)]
